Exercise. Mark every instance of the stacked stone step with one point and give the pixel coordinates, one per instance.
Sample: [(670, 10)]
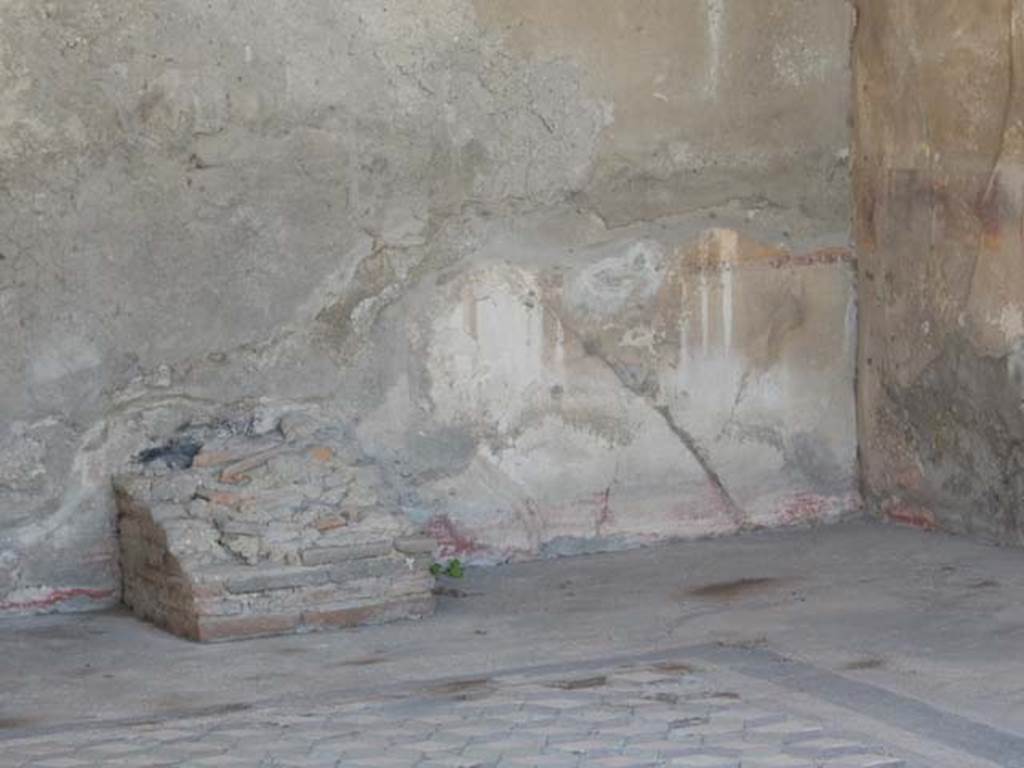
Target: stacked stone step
[(268, 536)]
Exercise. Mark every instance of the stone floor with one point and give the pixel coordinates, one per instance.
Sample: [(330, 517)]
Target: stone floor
[(646, 712), (854, 646)]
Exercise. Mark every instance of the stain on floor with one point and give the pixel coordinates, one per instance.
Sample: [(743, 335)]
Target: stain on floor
[(581, 683), (862, 664), (728, 590)]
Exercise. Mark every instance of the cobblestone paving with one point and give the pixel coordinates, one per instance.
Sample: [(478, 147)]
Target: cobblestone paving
[(625, 717)]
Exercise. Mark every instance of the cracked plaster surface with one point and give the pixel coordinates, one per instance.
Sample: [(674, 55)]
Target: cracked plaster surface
[(217, 215)]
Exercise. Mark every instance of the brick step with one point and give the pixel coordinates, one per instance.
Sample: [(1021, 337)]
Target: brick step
[(242, 579), (263, 537), (299, 598), (207, 628)]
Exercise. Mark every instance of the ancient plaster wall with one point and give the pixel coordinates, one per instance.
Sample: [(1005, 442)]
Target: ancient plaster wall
[(938, 175), (411, 219)]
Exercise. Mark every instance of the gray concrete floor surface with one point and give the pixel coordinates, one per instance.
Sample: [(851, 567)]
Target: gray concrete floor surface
[(878, 646)]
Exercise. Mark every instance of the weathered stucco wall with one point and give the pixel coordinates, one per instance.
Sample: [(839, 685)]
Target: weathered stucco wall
[(494, 239), (939, 197)]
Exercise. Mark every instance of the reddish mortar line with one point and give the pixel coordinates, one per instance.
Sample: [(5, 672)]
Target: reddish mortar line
[(912, 521), (56, 597), (915, 517), (805, 507), (448, 537), (824, 256), (604, 510), (779, 260)]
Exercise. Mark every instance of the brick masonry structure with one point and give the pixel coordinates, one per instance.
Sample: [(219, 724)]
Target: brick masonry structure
[(231, 536)]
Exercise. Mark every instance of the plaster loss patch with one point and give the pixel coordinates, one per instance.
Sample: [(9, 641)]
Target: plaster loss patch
[(661, 387)]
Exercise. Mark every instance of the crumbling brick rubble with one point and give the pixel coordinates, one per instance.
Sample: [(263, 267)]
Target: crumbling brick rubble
[(242, 536)]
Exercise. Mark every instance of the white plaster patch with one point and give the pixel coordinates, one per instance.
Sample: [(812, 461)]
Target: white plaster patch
[(851, 329), (719, 249), (705, 313), (798, 64), (639, 338), (606, 287), (716, 29), (725, 276), (489, 358), (685, 157), (1011, 321)]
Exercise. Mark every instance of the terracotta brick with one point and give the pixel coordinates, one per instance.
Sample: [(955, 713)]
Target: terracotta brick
[(269, 579), (214, 628), (181, 625), (214, 458), (415, 545), (368, 568), (321, 453), (226, 498), (340, 554), (332, 523), (369, 614), (235, 474), (207, 591)]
